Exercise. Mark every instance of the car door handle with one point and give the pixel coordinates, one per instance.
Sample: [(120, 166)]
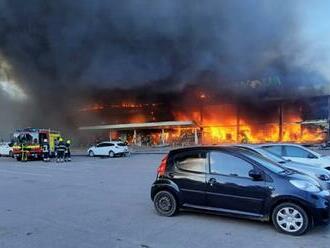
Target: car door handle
[(212, 181)]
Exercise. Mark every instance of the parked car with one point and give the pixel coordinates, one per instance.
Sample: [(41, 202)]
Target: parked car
[(109, 148), (6, 149), (232, 182), (298, 153), (318, 173)]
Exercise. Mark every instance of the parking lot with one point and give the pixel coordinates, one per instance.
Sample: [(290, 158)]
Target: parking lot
[(95, 202)]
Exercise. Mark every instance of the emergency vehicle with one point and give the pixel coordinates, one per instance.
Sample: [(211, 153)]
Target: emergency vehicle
[(32, 139)]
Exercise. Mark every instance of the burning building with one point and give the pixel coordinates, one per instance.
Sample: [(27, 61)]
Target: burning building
[(213, 118)]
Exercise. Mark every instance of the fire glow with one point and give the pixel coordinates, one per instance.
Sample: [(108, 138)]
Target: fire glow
[(223, 125), (217, 123)]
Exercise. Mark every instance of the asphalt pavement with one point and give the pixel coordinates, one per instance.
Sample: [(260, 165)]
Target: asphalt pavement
[(95, 202)]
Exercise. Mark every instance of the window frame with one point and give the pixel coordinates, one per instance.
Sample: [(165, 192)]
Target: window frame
[(191, 171), (254, 167)]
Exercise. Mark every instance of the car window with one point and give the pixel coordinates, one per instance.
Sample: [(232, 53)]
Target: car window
[(121, 144), (294, 151), (229, 165), (194, 161), (103, 145), (274, 149)]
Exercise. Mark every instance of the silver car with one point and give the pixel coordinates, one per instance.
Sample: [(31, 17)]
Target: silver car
[(321, 174)]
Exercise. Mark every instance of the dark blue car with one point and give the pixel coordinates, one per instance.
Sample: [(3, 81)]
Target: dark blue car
[(232, 182)]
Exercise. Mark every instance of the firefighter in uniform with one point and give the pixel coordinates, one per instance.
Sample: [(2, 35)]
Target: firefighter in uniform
[(46, 151), (68, 151), (61, 150), (24, 151)]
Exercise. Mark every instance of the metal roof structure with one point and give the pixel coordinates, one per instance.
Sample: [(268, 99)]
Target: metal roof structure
[(146, 125)]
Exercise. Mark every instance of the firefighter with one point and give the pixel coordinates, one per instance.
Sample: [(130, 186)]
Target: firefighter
[(68, 151), (60, 151), (24, 150), (46, 151), (55, 147)]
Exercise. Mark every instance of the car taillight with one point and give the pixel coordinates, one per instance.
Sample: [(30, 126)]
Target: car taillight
[(162, 167)]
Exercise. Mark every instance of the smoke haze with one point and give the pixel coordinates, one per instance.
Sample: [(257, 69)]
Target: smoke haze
[(60, 51)]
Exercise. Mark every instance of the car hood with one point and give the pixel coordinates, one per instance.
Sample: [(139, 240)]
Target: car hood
[(308, 169), (297, 175), (322, 162)]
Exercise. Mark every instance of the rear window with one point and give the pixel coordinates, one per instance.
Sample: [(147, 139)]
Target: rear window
[(193, 161)]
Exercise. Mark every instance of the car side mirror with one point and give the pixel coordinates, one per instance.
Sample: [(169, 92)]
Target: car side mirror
[(256, 175)]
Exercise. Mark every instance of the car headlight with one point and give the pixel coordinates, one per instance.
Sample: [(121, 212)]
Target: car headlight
[(305, 185)]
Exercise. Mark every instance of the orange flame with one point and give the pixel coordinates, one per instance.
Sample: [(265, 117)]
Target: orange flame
[(221, 125)]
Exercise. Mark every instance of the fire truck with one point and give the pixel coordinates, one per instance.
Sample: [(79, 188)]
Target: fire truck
[(32, 138)]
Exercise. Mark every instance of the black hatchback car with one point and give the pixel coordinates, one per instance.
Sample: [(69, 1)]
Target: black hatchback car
[(237, 183)]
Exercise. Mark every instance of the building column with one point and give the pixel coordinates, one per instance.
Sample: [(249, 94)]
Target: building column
[(134, 137), (110, 135), (196, 136), (328, 130), (162, 136), (237, 124), (280, 123)]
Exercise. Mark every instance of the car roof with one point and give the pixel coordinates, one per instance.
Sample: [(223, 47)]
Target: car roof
[(114, 142), (279, 144), (194, 148)]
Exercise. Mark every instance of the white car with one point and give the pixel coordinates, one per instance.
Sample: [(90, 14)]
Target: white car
[(6, 149), (298, 153), (109, 148)]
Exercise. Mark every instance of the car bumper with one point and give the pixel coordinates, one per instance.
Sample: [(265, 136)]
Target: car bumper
[(122, 153), (320, 210)]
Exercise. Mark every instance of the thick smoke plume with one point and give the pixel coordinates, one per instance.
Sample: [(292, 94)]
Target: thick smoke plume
[(59, 50)]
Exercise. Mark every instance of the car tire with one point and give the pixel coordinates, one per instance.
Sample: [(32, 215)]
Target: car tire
[(111, 154), (165, 203), (91, 154), (289, 218)]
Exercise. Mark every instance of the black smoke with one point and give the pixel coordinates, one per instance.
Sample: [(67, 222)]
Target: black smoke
[(61, 50)]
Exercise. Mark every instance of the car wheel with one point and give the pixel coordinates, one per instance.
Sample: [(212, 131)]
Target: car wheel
[(111, 154), (165, 203), (91, 154), (291, 219)]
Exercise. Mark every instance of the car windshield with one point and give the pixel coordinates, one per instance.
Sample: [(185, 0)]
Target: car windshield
[(271, 156), (269, 164)]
